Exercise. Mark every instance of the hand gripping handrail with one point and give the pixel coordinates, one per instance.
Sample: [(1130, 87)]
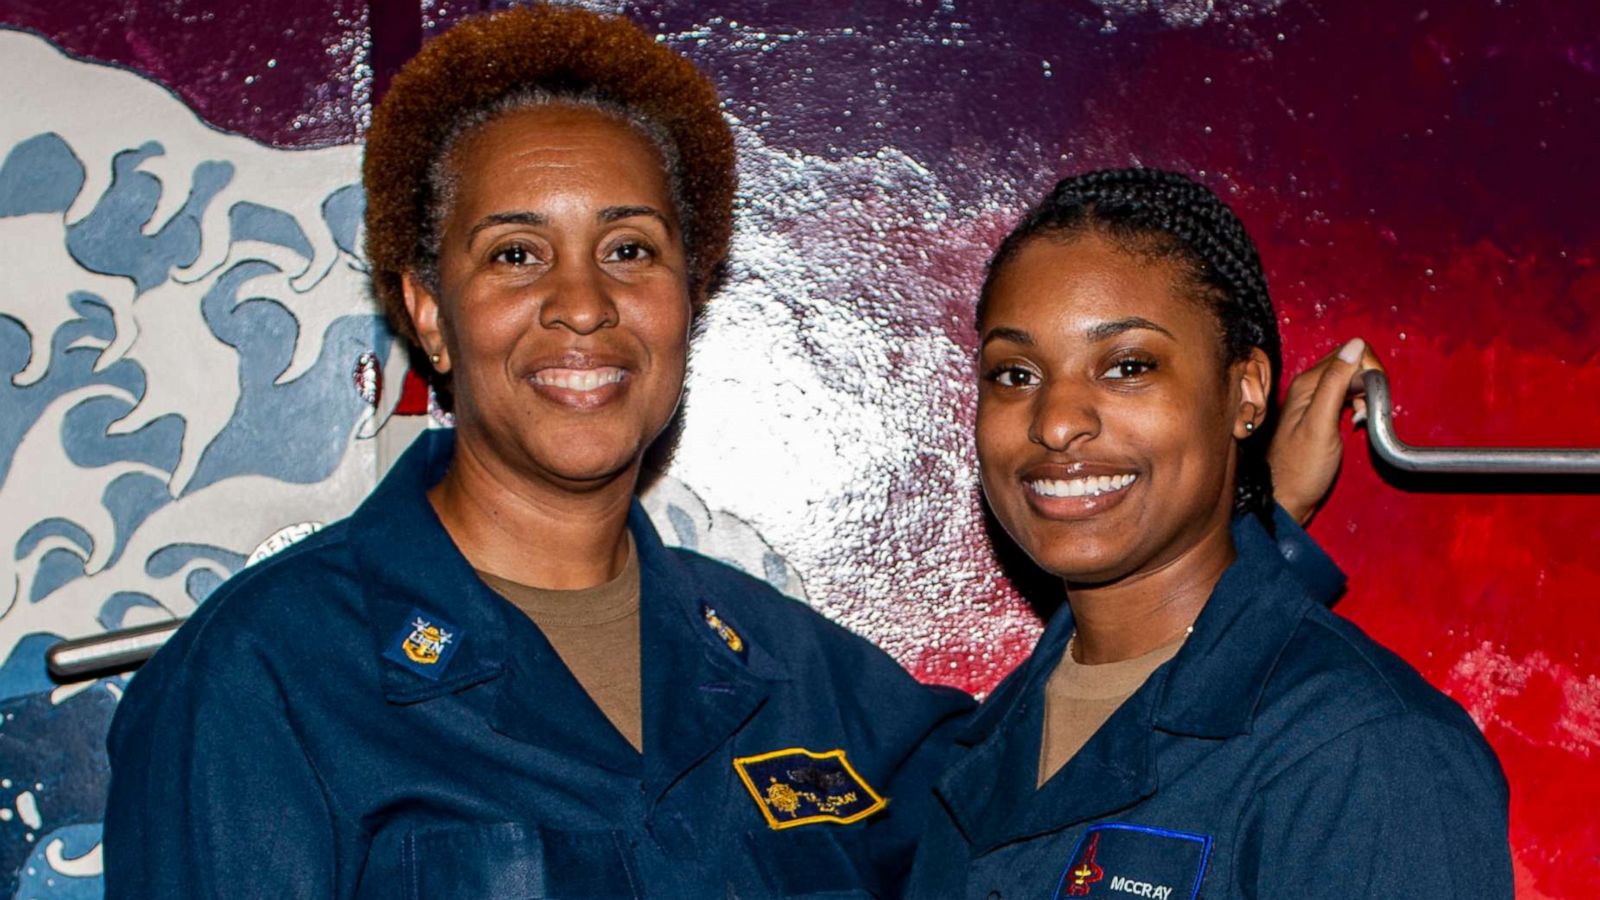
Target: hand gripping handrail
[(1463, 460)]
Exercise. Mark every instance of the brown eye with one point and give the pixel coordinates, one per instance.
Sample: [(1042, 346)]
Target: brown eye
[(1132, 367), (515, 255), (632, 251), (1013, 377)]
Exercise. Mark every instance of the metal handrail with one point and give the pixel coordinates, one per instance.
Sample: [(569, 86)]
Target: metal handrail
[(109, 653), (118, 651), (1463, 460)]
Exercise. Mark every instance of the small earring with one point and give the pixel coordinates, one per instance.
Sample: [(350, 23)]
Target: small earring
[(434, 357), (1249, 427)]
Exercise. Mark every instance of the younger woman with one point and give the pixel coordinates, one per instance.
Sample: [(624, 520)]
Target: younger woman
[(1193, 722)]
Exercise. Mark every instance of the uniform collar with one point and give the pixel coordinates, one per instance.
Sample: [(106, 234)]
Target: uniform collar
[(676, 600), (700, 683), (409, 568), (1215, 682), (1210, 689)]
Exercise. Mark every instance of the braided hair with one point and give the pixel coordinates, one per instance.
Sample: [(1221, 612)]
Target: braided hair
[(1169, 216)]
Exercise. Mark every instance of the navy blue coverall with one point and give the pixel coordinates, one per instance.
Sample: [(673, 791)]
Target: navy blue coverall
[(1281, 754), (360, 716)]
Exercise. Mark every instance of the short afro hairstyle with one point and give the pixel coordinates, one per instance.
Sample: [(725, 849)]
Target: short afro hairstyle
[(599, 61)]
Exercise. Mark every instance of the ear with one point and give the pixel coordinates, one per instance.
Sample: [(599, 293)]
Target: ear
[(1254, 376), (423, 307)]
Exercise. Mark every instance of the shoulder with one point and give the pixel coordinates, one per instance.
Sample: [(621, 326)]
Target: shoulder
[(264, 618), (1396, 767), (1335, 689)]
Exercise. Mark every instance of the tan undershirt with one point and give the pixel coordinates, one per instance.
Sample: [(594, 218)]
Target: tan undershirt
[(1078, 699), (595, 631)]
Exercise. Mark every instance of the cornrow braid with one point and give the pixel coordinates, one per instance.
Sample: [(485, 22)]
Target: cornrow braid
[(1170, 216)]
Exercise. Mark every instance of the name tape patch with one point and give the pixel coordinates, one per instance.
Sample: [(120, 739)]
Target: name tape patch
[(798, 787), (424, 644), (1121, 860)]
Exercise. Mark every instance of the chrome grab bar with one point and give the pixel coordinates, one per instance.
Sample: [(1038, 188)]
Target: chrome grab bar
[(109, 653), (118, 651), (1463, 460)]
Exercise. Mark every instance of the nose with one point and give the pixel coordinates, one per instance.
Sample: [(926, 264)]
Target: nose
[(579, 299), (1063, 414)]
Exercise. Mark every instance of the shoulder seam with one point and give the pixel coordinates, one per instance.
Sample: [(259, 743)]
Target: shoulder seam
[(250, 573), (1406, 714), (1371, 664)]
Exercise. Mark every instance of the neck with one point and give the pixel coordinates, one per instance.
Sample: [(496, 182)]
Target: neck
[(1136, 614), (494, 516)]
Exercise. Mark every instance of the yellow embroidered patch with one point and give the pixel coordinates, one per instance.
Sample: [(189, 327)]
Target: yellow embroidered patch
[(798, 787)]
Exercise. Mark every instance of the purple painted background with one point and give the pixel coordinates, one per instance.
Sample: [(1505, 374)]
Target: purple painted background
[(1417, 173)]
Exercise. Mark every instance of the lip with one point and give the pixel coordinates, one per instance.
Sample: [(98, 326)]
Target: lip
[(580, 380), (1093, 488)]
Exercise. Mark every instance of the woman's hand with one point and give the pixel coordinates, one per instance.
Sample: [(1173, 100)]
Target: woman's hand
[(1307, 447)]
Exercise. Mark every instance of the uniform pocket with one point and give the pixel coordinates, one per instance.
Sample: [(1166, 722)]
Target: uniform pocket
[(512, 861), (809, 862)]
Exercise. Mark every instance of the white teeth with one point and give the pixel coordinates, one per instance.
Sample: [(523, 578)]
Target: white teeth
[(1091, 486), (578, 379)]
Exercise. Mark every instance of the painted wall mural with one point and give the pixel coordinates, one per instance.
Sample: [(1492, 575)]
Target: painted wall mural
[(190, 364), (181, 317)]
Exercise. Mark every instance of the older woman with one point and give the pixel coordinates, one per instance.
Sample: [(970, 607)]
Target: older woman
[(367, 715), (1193, 722)]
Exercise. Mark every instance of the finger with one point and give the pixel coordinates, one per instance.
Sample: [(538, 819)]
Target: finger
[(1304, 385), (1359, 404), (1327, 402), (1358, 380)]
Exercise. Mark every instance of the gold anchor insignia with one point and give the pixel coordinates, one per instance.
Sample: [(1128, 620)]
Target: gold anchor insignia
[(426, 642)]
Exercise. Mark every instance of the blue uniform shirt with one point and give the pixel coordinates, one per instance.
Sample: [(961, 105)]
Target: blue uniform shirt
[(360, 716), (1281, 754)]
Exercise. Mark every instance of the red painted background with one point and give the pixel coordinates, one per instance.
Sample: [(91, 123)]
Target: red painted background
[(1417, 173)]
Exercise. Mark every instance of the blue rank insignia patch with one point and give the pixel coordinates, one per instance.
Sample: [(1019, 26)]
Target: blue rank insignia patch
[(797, 787), (723, 630), (424, 644), (1119, 860)]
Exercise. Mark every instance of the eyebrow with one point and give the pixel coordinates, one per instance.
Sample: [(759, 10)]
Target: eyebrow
[(618, 213), (1014, 335), (507, 218), (1103, 330), (608, 215)]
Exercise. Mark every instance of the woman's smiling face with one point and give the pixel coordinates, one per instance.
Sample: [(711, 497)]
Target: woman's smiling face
[(562, 310), (1107, 418)]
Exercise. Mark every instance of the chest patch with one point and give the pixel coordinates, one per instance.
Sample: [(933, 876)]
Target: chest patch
[(424, 644), (798, 787), (1120, 861)]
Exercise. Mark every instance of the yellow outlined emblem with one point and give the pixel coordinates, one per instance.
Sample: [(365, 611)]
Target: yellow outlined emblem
[(796, 787)]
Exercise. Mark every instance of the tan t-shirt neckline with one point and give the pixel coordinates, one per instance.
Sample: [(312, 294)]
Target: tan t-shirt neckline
[(1079, 698), (595, 631)]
